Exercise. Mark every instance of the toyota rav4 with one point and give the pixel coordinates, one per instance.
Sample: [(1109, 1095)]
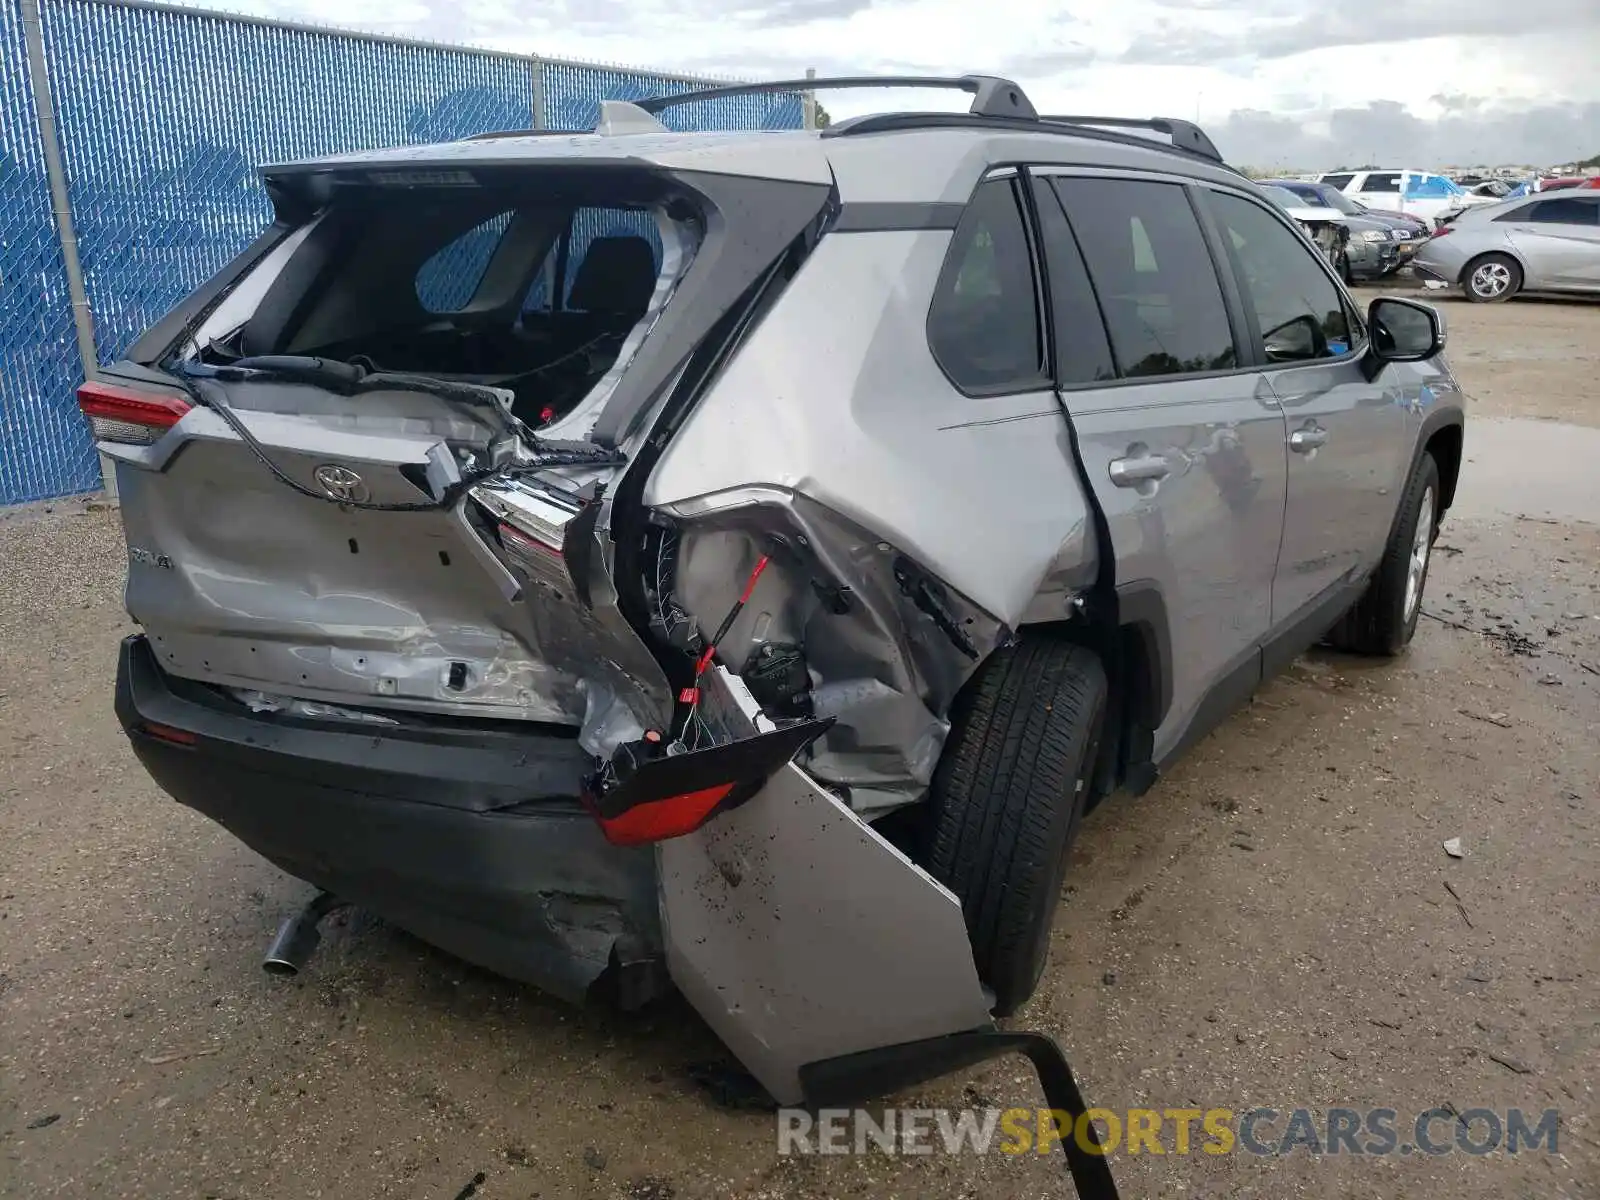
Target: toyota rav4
[(736, 561)]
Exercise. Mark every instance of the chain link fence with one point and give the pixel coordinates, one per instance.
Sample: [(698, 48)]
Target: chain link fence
[(44, 447), (162, 115)]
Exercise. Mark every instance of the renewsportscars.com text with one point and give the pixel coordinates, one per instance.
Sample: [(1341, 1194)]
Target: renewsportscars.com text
[(1214, 1131)]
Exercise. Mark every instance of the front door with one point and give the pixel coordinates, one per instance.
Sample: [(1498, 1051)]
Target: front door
[(1183, 445), (1347, 438)]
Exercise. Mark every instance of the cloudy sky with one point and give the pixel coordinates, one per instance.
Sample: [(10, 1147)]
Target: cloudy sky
[(1277, 83)]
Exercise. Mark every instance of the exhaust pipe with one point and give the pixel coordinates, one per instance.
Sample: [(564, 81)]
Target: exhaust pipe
[(298, 936)]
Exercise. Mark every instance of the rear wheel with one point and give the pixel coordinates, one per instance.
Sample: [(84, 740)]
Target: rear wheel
[(1007, 799), (1491, 279), (1385, 618)]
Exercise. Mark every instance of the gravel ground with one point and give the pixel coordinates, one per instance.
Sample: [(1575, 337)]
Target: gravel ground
[(1275, 923)]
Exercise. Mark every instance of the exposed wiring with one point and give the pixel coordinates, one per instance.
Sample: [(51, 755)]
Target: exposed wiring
[(694, 691)]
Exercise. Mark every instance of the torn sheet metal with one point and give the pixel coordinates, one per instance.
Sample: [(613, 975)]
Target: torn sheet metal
[(887, 645), (800, 934)]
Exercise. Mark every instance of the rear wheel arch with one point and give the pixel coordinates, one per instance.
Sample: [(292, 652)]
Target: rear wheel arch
[(1133, 641)]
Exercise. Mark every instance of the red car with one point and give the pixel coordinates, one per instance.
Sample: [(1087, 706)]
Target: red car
[(1555, 185)]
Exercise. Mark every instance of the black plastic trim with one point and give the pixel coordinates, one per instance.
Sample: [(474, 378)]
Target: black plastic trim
[(1439, 418), (1142, 613), (882, 216), (1309, 626), (1237, 684)]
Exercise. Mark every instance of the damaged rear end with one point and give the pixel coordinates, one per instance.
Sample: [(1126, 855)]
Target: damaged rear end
[(413, 630)]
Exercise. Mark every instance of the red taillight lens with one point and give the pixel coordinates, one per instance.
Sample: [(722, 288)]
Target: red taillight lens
[(120, 414), (658, 820)]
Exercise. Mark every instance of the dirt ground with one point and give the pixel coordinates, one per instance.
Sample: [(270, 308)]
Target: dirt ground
[(1275, 923)]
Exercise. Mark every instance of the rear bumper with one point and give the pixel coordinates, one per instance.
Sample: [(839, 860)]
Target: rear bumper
[(472, 839)]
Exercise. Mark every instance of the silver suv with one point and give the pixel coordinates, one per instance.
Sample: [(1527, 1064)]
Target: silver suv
[(735, 561)]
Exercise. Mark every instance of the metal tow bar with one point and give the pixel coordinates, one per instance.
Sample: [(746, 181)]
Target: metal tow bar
[(838, 1082)]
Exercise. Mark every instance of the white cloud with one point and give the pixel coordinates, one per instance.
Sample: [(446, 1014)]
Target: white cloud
[(1315, 70)]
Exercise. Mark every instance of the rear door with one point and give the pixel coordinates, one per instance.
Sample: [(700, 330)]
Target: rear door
[(1559, 240), (1347, 437), (1182, 439)]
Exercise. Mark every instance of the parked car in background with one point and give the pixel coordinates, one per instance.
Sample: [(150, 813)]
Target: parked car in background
[(1354, 245), (1539, 243), (1424, 194), (1379, 256), (1494, 189), (1560, 184)]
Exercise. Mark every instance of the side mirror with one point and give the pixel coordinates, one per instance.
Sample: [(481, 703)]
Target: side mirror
[(1402, 331)]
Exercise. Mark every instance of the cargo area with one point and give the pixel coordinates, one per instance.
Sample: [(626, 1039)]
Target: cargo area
[(359, 472)]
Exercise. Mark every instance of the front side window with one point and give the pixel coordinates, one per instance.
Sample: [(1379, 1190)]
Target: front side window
[(1153, 275), (984, 326), (1299, 308)]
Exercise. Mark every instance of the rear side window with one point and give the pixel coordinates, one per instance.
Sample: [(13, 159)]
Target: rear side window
[(1569, 210), (1153, 276), (623, 234), (983, 326), (449, 280), (1382, 182), (1339, 181), (1300, 310)]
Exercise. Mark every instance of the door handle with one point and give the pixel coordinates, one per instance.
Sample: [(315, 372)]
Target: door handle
[(1137, 469), (1304, 441)]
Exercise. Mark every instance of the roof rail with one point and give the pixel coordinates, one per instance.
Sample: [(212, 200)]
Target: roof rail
[(991, 95), (1184, 134)]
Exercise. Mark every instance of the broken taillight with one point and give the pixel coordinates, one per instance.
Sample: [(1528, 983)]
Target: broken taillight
[(650, 793), (135, 418), (658, 820)]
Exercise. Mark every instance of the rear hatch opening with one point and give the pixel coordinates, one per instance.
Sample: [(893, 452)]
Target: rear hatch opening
[(377, 469)]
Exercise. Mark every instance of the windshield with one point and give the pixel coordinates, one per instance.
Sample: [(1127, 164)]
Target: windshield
[(1334, 198), (1283, 197)]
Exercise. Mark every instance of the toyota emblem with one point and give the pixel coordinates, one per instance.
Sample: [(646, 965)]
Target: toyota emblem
[(341, 483)]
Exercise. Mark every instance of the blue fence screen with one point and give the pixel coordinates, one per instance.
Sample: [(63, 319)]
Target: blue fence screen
[(44, 446), (163, 115)]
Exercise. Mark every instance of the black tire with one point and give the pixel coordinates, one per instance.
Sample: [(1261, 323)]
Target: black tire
[(1380, 624), (1476, 274), (1007, 799)]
